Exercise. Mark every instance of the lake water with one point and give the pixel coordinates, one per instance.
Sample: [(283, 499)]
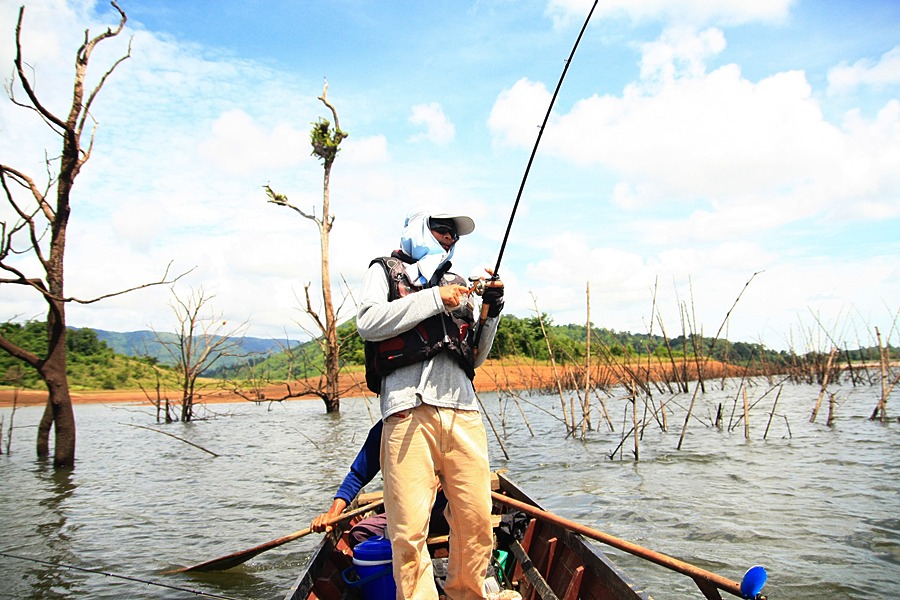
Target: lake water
[(817, 505)]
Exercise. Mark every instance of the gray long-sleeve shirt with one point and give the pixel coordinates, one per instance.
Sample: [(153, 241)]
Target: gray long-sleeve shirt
[(438, 381)]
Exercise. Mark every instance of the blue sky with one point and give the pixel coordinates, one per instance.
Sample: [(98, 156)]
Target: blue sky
[(692, 145)]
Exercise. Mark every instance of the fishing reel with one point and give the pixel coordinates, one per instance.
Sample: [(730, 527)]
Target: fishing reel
[(477, 286)]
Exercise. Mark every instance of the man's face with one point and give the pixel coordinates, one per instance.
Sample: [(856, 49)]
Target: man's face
[(444, 231)]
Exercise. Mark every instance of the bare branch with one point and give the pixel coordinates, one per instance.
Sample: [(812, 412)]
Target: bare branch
[(324, 99), (310, 311), (19, 352), (26, 84), (96, 90), (282, 200), (28, 183), (180, 439), (163, 281), (200, 343)]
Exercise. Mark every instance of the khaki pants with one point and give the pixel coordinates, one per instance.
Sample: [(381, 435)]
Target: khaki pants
[(419, 447)]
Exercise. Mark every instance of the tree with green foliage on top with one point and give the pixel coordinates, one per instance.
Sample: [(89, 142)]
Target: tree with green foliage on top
[(326, 143), (42, 210)]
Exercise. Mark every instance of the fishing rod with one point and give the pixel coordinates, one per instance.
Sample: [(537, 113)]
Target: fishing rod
[(537, 142), (478, 285)]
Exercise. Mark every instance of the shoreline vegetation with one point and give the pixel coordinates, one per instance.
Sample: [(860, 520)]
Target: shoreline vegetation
[(531, 355), (494, 375)]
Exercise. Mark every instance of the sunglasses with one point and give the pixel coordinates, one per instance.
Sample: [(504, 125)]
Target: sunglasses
[(442, 229)]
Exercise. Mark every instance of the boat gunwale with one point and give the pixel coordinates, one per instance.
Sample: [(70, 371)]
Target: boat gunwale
[(595, 560)]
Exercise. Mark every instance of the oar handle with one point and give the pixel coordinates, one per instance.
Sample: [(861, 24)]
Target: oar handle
[(344, 516), (694, 572), (237, 558)]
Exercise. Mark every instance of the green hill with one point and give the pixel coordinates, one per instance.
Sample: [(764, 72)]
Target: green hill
[(92, 364), (147, 343), (114, 360)]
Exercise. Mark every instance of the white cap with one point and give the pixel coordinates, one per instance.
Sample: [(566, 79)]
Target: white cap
[(464, 225)]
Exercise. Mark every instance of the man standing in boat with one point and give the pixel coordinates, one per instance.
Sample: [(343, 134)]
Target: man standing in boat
[(421, 330)]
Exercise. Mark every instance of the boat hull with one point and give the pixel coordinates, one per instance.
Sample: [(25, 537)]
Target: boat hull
[(548, 562)]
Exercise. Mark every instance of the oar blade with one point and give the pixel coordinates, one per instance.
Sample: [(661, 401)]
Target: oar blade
[(223, 563), (229, 561), (753, 581), (219, 564)]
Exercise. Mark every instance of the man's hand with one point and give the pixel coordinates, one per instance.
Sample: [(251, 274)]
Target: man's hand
[(337, 507), (453, 295), (493, 297)]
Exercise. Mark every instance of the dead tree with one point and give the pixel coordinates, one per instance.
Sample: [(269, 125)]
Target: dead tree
[(203, 340), (710, 352), (887, 386), (42, 211), (326, 143)]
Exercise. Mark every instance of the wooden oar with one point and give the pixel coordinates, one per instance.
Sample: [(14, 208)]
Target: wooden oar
[(705, 580), (232, 560)]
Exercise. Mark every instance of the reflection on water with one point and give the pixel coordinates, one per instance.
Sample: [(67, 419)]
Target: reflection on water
[(817, 505)]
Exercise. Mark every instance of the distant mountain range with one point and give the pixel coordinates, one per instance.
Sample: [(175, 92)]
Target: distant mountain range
[(146, 343)]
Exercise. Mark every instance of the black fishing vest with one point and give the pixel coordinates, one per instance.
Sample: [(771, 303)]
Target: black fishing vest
[(444, 332)]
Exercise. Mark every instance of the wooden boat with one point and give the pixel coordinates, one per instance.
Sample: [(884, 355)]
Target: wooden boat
[(548, 561)]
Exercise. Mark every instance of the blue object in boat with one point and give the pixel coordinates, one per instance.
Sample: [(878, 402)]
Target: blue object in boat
[(753, 581), (371, 570)]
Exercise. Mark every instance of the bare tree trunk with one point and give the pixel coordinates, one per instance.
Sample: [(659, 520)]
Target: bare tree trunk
[(746, 416), (332, 396), (59, 413), (43, 222), (772, 413), (881, 408), (586, 408), (562, 398), (325, 143), (634, 422), (815, 412)]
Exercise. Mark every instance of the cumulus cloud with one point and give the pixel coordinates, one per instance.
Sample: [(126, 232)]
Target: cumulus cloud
[(886, 71), (238, 144), (438, 127), (754, 155), (680, 52), (517, 111)]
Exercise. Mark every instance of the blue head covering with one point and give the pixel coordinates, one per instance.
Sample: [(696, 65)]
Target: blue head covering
[(419, 243)]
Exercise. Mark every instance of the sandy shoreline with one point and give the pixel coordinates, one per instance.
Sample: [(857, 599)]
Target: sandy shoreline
[(490, 377), (487, 378)]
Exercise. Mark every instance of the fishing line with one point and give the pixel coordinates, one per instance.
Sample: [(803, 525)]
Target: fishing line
[(104, 573)]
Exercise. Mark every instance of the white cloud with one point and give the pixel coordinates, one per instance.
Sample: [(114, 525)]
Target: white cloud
[(438, 128), (732, 12), (754, 155), (691, 177), (518, 112), (845, 78), (238, 144), (680, 52), (625, 285)]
